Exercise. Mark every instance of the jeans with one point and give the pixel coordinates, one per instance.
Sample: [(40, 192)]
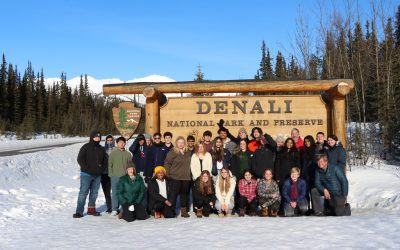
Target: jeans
[(106, 186), (302, 206), (89, 183), (114, 197), (336, 204)]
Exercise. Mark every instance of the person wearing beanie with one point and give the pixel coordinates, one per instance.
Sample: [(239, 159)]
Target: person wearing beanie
[(160, 195), (92, 160), (117, 163), (130, 193)]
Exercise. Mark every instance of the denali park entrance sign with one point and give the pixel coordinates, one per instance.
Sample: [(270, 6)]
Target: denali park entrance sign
[(323, 111)]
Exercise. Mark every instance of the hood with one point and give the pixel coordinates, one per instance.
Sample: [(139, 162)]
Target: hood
[(94, 134), (112, 145)]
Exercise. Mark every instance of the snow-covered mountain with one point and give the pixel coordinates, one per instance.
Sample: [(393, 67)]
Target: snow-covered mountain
[(96, 85)]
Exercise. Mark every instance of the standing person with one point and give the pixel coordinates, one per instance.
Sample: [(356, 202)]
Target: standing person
[(168, 141), (299, 143), (158, 151), (321, 144), (287, 158), (117, 162), (294, 194), (140, 155), (204, 194), (309, 162), (201, 160), (268, 195), (228, 144), (130, 194), (241, 159), (248, 194), (190, 144), (105, 179), (149, 142), (331, 185), (336, 153), (280, 142), (255, 143), (242, 133), (92, 160), (177, 165), (224, 188), (264, 157), (221, 157), (160, 195), (207, 135)]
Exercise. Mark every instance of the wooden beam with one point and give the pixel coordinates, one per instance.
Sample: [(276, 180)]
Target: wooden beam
[(233, 86)]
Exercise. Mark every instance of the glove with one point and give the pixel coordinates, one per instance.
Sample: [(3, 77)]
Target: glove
[(221, 123), (131, 208)]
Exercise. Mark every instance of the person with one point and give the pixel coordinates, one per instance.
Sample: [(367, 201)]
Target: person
[(321, 144), (280, 142), (269, 197), (92, 161), (224, 188), (242, 133), (109, 146), (168, 141), (207, 135), (309, 160), (158, 151), (220, 157), (331, 185), (264, 156), (241, 159), (248, 194), (141, 157), (228, 144), (117, 162), (190, 144), (255, 143), (149, 142), (294, 194), (287, 158), (204, 194), (159, 190), (336, 153), (299, 143), (177, 165), (201, 160), (130, 193)]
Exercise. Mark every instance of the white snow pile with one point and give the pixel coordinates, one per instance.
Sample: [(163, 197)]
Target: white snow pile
[(38, 193)]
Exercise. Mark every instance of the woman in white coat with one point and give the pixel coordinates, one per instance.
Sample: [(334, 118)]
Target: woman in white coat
[(201, 160), (224, 189)]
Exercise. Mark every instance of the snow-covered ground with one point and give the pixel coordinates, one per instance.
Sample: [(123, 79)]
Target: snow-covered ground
[(38, 193)]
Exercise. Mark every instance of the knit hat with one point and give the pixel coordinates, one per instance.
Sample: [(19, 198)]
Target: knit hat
[(243, 130), (147, 136), (280, 138), (130, 165), (159, 168)]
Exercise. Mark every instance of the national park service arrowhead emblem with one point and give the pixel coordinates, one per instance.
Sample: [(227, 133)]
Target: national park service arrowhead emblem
[(126, 118)]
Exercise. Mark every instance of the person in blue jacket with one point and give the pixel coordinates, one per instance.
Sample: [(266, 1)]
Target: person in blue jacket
[(294, 191), (331, 185), (336, 153)]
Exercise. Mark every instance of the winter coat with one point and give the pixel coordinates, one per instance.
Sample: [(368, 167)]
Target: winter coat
[(130, 192), (235, 164), (284, 162), (225, 162), (321, 148), (222, 196), (253, 145), (109, 147), (92, 157), (177, 165), (301, 190), (300, 145), (117, 162), (309, 165), (154, 192), (333, 179), (159, 153), (230, 145), (196, 167), (199, 197), (267, 191), (337, 155), (141, 157), (264, 158)]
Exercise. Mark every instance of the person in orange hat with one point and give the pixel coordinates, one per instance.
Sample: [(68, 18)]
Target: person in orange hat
[(159, 195)]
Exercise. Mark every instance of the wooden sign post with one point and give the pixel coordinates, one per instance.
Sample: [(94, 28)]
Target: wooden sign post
[(325, 111)]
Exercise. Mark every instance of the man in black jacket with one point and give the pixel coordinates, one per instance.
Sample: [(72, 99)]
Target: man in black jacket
[(92, 159)]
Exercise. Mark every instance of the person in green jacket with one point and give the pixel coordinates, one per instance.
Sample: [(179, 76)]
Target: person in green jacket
[(130, 194), (117, 162)]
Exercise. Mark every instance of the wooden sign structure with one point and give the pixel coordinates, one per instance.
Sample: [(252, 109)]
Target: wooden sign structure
[(327, 109), (126, 118)]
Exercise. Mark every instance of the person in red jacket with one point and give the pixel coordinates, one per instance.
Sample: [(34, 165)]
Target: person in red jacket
[(248, 194), (295, 134), (255, 143)]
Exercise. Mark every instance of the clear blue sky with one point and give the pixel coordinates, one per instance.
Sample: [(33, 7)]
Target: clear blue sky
[(131, 39)]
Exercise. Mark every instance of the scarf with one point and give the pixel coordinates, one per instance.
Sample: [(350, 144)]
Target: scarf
[(293, 191)]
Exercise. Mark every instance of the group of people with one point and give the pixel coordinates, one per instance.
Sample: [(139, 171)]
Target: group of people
[(245, 174)]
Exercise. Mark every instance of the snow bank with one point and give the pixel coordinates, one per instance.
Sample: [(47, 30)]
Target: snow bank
[(38, 195)]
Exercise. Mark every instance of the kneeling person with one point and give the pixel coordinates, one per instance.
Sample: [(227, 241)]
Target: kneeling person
[(160, 195), (204, 194), (294, 194), (248, 194), (268, 195), (130, 194)]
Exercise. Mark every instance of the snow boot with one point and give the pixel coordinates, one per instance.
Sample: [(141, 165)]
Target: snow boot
[(157, 215), (273, 213), (184, 212), (199, 212), (77, 215), (92, 211), (242, 211), (264, 211)]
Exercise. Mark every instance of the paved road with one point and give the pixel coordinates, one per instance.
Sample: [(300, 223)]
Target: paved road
[(34, 149)]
